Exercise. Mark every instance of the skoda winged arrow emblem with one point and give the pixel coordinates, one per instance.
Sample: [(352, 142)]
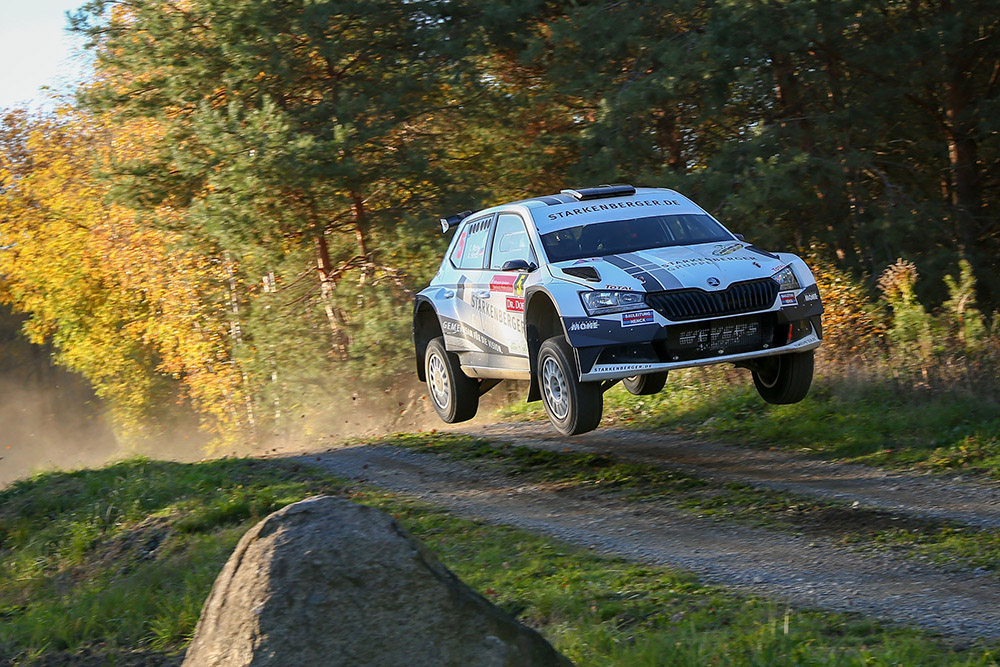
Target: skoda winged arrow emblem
[(713, 281)]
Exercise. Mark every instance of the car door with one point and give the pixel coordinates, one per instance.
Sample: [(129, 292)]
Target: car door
[(503, 319), (464, 331)]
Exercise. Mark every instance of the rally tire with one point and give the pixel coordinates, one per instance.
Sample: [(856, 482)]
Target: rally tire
[(573, 407), (645, 385), (454, 394), (784, 378)]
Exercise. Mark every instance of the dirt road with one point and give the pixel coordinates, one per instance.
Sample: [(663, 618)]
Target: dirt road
[(803, 571), (914, 495)]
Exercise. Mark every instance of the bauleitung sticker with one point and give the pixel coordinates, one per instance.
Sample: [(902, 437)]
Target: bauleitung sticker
[(637, 318)]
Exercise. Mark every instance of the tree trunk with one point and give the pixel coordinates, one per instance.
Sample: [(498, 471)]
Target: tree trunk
[(236, 331), (963, 157), (360, 229), (790, 100), (335, 317), (668, 137)]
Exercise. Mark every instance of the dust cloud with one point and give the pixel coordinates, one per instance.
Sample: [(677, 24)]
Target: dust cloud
[(50, 418), (45, 426), (369, 411)]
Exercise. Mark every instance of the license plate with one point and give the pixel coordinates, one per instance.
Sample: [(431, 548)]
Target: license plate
[(720, 337)]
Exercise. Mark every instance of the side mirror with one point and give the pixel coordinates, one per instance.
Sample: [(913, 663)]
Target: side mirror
[(740, 237), (518, 265)]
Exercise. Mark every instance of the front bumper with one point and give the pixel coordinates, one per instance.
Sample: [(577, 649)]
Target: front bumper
[(617, 371), (648, 343)]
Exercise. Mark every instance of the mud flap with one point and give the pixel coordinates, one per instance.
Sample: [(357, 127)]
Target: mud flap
[(534, 391)]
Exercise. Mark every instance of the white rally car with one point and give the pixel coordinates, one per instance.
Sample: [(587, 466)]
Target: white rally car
[(579, 290)]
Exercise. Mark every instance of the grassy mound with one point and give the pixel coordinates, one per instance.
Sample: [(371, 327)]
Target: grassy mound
[(112, 566)]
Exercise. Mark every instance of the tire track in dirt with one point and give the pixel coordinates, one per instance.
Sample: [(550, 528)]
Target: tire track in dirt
[(924, 496), (803, 572)]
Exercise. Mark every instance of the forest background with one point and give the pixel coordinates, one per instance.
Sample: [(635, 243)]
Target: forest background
[(233, 214)]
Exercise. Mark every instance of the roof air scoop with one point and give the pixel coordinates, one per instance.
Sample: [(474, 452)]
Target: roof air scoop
[(601, 192)]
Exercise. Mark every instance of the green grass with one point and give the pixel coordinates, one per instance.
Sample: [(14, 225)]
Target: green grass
[(944, 543), (113, 565), (76, 549), (839, 419)]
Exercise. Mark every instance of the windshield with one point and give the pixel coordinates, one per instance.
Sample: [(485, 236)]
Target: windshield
[(620, 236)]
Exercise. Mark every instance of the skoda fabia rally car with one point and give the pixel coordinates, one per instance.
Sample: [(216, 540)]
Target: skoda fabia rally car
[(577, 291)]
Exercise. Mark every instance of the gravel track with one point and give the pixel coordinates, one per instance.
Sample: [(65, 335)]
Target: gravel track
[(925, 496), (804, 572)]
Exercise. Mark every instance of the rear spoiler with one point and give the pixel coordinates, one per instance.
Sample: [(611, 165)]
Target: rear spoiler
[(453, 220)]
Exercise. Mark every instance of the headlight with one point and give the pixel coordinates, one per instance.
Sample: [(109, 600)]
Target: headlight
[(602, 302), (786, 279)]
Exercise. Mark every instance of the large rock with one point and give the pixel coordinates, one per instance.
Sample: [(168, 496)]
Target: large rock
[(328, 582)]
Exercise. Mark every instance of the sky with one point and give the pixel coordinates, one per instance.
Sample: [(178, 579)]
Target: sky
[(36, 50)]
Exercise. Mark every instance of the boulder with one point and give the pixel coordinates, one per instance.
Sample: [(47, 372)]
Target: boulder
[(327, 582)]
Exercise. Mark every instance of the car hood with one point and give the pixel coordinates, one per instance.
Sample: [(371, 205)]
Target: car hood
[(709, 266)]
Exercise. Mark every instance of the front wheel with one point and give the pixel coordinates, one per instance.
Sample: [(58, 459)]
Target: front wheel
[(645, 385), (784, 378), (454, 394), (573, 407)]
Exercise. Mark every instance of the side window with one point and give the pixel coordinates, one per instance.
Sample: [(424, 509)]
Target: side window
[(470, 249), (510, 242)]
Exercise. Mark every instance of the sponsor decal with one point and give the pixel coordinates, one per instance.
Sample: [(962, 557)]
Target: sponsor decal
[(691, 262), (515, 304), (788, 299), (584, 326), (503, 282), (519, 283), (811, 296), (713, 281), (638, 203), (729, 249), (637, 318), (512, 319), (618, 287), (456, 328), (614, 368)]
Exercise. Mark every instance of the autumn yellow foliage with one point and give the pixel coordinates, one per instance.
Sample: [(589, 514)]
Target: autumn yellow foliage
[(853, 327), (123, 303)]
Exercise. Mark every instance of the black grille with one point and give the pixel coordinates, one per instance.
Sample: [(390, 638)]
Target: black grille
[(691, 304), (733, 335)]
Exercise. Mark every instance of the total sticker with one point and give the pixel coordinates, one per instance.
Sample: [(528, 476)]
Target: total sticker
[(637, 318), (788, 299)]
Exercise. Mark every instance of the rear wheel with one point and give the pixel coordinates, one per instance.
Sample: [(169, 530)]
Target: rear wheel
[(784, 378), (454, 394), (644, 385), (573, 407)]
